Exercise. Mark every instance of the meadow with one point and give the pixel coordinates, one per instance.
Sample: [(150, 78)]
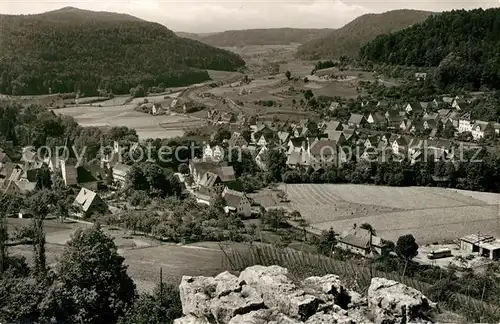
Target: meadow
[(430, 214)]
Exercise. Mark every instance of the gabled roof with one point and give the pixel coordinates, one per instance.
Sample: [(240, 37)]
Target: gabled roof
[(334, 105), (361, 238), (431, 123), (226, 174), (323, 146), (336, 136), (482, 125), (233, 197), (466, 116), (4, 158), (85, 198), (25, 186), (377, 117), (283, 136), (333, 125), (415, 106), (401, 141), (209, 179), (29, 154), (356, 119), (424, 104), (297, 141), (431, 116), (443, 112)]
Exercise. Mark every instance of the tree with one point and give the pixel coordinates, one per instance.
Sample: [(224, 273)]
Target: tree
[(162, 307), (276, 162), (368, 227), (92, 285), (183, 168), (308, 94), (288, 74), (138, 91), (407, 248), (327, 242)]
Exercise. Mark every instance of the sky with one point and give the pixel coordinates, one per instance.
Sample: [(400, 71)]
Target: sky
[(201, 16)]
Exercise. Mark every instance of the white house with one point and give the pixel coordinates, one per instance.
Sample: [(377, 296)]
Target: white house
[(482, 129), (237, 202), (465, 123)]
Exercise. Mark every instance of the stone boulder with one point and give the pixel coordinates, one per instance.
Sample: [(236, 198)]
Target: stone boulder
[(393, 302), (279, 292), (266, 295)]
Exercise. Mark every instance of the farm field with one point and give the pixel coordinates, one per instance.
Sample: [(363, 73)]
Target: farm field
[(147, 126), (430, 214), (143, 256)]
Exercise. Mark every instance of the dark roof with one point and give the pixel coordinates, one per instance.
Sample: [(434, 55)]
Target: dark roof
[(323, 146)]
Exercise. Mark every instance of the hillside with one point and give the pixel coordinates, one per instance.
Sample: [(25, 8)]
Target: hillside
[(464, 45), (349, 39), (270, 36), (72, 49)]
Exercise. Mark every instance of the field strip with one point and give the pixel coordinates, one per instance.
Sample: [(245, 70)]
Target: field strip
[(456, 196), (327, 196)]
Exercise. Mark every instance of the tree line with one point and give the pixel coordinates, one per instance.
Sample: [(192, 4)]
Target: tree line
[(463, 45)]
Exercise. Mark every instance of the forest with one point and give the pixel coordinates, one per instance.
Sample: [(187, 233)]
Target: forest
[(463, 45), (72, 50)]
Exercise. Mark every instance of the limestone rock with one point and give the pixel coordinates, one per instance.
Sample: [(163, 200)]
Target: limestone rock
[(191, 320), (196, 295), (279, 292), (394, 302), (228, 306), (330, 318), (263, 316)]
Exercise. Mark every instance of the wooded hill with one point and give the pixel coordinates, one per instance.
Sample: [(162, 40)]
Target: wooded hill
[(71, 49), (464, 45), (347, 41), (269, 36)]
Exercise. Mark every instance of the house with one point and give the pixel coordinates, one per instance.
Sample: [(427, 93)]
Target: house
[(120, 172), (357, 120), (323, 153), (283, 138), (420, 76), (337, 136), (4, 158), (215, 153), (413, 108), (157, 109), (266, 139), (371, 141), (376, 119), (482, 129), (383, 104), (448, 100), (334, 106), (198, 168), (496, 127), (237, 140), (28, 154), (430, 116), (394, 119), (261, 130), (465, 123), (91, 176), (430, 124), (90, 203), (460, 104), (12, 187), (416, 127), (295, 159), (69, 173), (425, 105), (297, 144), (237, 202), (362, 242), (405, 125), (332, 125), (399, 145), (485, 245)]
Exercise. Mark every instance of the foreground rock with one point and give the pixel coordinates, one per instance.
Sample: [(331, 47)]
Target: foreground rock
[(266, 295)]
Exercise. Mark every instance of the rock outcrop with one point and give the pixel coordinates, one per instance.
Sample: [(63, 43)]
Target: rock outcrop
[(266, 295)]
